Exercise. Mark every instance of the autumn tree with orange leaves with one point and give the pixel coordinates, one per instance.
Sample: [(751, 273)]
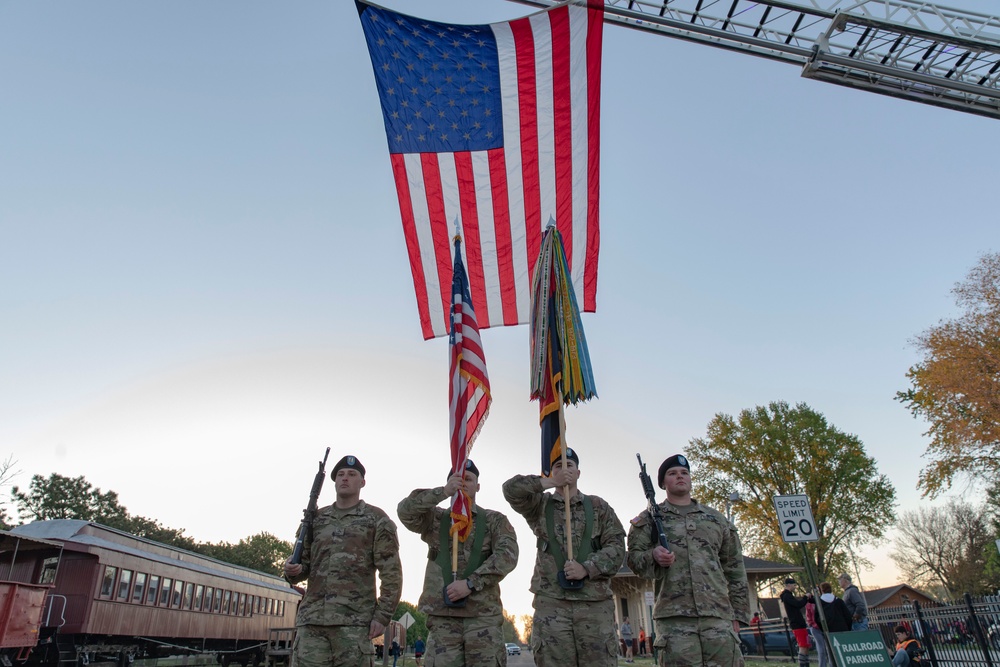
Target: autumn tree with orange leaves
[(956, 387)]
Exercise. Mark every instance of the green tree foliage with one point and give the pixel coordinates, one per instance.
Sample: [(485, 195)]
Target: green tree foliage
[(527, 621), (783, 450), (947, 548), (956, 387), (509, 629), (58, 497), (419, 628), (263, 552)]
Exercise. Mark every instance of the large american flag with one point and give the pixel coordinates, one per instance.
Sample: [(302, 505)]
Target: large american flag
[(469, 393), (497, 125)]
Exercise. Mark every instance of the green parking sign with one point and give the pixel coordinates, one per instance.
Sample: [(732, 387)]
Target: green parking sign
[(860, 648)]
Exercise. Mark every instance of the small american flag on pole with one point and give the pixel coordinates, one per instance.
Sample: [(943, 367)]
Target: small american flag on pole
[(497, 125), (469, 393)]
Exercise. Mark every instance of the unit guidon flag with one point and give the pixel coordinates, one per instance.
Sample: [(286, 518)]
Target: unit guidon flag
[(496, 126)]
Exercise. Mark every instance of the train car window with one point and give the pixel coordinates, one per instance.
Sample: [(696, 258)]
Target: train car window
[(281, 607), (108, 583), (188, 594), (154, 589), (270, 606), (198, 592), (256, 604), (209, 592), (48, 573), (139, 588), (165, 591), (243, 605), (124, 583), (226, 597), (217, 606), (175, 600)]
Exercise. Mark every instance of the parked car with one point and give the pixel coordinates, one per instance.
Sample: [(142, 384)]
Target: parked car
[(513, 649), (775, 641)]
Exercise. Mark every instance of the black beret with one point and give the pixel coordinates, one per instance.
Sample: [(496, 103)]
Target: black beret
[(573, 456), (470, 466), (348, 462), (672, 462)]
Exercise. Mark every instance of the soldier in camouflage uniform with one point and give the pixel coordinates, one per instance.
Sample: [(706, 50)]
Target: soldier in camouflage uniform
[(471, 635), (339, 615), (702, 595), (570, 627)]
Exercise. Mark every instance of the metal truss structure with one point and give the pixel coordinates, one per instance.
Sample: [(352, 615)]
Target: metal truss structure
[(912, 50)]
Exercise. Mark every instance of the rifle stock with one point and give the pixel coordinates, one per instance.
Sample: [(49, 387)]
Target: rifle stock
[(654, 509), (310, 511)]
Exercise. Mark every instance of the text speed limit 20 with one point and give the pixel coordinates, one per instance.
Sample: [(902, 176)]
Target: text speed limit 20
[(795, 518)]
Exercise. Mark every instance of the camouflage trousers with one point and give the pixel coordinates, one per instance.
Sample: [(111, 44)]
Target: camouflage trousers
[(574, 633), (457, 642), (332, 646), (692, 641)]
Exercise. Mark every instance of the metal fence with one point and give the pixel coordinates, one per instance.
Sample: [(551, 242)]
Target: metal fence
[(963, 634)]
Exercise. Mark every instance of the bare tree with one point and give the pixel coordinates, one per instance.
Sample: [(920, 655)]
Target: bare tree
[(7, 474), (946, 546)]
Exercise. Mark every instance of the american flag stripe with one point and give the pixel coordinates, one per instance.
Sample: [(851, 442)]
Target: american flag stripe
[(469, 393), (594, 42), (547, 166)]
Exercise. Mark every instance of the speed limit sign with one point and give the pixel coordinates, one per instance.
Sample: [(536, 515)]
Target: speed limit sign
[(795, 518)]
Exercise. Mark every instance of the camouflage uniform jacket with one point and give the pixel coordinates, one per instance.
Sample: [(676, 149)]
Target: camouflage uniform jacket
[(526, 495), (707, 577), (419, 513), (340, 558)]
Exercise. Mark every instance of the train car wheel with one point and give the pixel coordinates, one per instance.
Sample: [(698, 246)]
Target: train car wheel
[(225, 659)]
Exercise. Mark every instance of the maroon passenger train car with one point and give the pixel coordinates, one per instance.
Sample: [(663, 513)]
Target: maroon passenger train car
[(112, 596)]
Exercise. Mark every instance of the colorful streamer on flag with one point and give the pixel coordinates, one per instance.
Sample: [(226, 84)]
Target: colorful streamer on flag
[(469, 393), (560, 360)]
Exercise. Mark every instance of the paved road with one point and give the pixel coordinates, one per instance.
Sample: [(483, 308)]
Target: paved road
[(523, 660)]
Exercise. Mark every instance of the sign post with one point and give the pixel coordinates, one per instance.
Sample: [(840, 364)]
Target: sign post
[(795, 520)]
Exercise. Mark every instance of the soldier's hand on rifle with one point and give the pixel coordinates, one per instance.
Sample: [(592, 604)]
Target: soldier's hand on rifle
[(455, 482), (458, 590), (292, 570), (375, 629), (663, 557), (560, 477), (574, 571)]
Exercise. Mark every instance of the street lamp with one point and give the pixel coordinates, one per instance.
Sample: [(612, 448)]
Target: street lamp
[(734, 497)]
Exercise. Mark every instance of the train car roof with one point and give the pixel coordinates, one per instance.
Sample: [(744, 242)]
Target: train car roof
[(10, 540), (88, 533)]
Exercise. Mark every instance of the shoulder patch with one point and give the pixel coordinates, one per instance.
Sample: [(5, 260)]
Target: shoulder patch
[(639, 520)]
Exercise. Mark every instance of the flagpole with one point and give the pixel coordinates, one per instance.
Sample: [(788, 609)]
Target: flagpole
[(562, 439)]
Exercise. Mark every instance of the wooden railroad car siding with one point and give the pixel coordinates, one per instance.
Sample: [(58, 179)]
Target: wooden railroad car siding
[(116, 584)]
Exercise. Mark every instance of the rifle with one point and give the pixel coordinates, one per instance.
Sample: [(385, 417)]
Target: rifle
[(654, 509), (310, 511)]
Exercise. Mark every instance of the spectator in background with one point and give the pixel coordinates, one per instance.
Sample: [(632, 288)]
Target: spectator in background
[(755, 631), (816, 632), (418, 652), (642, 641), (796, 621), (855, 602), (626, 631), (908, 649)]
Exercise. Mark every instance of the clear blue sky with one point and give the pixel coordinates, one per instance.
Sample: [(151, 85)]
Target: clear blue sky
[(203, 281)]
